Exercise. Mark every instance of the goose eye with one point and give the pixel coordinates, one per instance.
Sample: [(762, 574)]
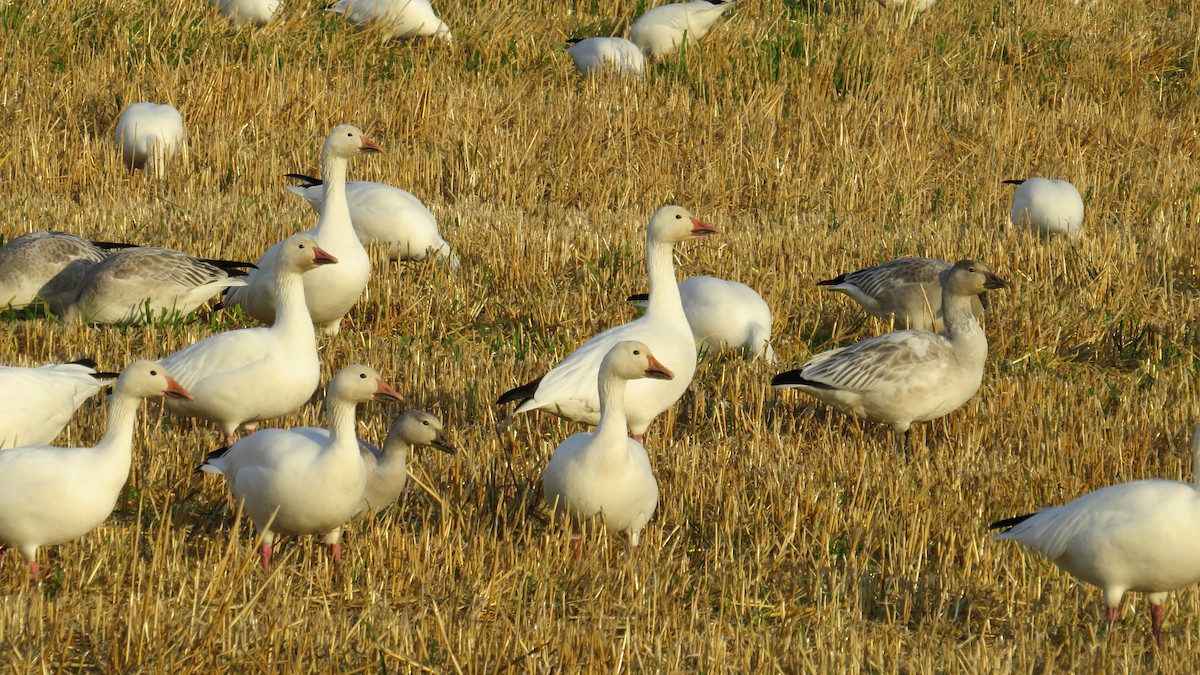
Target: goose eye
[(154, 372), (362, 376), (678, 217), (301, 245), (426, 422), (637, 352)]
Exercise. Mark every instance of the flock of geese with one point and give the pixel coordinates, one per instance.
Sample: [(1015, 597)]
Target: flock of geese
[(1142, 536)]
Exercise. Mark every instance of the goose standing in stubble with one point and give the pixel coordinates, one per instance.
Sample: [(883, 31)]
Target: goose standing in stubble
[(906, 292)]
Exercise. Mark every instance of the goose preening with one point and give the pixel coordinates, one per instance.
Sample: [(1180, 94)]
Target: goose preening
[(396, 19), (662, 29), (909, 375), (149, 133), (724, 315), (594, 56), (36, 403), (52, 495), (1047, 206), (144, 284), (1142, 536), (605, 472), (906, 292), (254, 12), (387, 467), (386, 215), (45, 265), (329, 293), (244, 376), (569, 389), (304, 480)]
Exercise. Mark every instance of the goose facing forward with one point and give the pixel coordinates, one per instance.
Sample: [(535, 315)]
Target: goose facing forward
[(36, 403), (662, 29), (906, 292), (1142, 536), (605, 472), (910, 375)]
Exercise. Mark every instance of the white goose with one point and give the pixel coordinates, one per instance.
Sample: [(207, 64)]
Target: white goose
[(304, 480), (598, 55), (52, 495), (254, 12), (605, 472), (1142, 536), (36, 403), (387, 215), (906, 292), (1047, 206), (569, 389), (397, 19), (149, 133), (330, 293), (910, 375), (244, 376), (140, 284), (662, 29), (46, 265), (913, 6), (724, 315)]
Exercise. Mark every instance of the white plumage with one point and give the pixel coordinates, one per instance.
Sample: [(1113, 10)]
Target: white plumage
[(1047, 206), (906, 292), (598, 55), (725, 316), (149, 134), (36, 403), (46, 265), (909, 5), (396, 19), (241, 12), (662, 29)]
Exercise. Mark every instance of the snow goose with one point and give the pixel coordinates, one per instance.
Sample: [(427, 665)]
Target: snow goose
[(569, 389), (724, 315), (1142, 536), (149, 133), (254, 12), (913, 6), (598, 55), (1047, 206), (304, 480), (329, 293), (910, 375), (387, 215), (662, 29), (244, 376), (387, 467), (46, 265), (396, 19), (143, 284), (906, 292), (52, 495), (36, 403), (605, 472)]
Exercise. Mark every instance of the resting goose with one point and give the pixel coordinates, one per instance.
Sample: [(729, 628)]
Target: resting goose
[(598, 55), (329, 293), (605, 472), (387, 215), (36, 403), (724, 315), (910, 375), (304, 480), (145, 284), (52, 495), (1047, 206), (244, 376), (149, 133), (906, 292), (1142, 536), (254, 12), (662, 29), (396, 19), (46, 265), (569, 389)]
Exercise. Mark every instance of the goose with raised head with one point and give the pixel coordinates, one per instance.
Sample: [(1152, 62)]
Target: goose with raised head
[(253, 12), (45, 265), (569, 389), (605, 472), (386, 215), (724, 316), (304, 480), (905, 292), (662, 29), (329, 293), (36, 403), (1142, 536), (599, 55), (52, 495), (149, 134), (395, 19), (909, 375), (387, 466), (244, 376), (1047, 206), (143, 284)]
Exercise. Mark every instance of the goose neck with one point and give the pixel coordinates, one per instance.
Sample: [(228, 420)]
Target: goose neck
[(660, 272), (291, 308), (341, 417), (335, 209), (117, 442), (614, 424)]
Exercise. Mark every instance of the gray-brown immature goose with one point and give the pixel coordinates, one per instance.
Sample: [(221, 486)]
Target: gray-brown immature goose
[(906, 292)]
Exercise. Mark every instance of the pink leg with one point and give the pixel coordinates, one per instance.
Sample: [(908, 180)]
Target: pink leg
[(576, 548), (230, 439), (35, 571), (1110, 614), (265, 556), (1156, 617), (638, 437), (335, 550)]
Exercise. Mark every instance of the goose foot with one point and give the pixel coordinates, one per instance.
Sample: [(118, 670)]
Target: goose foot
[(35, 571), (335, 551), (265, 557), (1156, 620)]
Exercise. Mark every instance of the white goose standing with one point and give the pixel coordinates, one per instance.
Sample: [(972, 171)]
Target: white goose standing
[(329, 294), (569, 389), (36, 403), (662, 29), (52, 495), (149, 134)]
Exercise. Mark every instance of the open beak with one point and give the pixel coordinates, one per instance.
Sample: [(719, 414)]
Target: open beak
[(368, 145), (657, 371), (442, 442), (175, 390), (322, 257), (993, 282), (701, 228), (385, 393)]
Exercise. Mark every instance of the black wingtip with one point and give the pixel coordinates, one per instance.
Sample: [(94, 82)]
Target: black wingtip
[(795, 378), (100, 375), (308, 181), (638, 297), (833, 282), (86, 362), (520, 394), (110, 245), (1008, 523), (1014, 181), (575, 41)]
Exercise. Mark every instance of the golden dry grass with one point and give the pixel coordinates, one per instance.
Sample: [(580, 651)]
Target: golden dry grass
[(820, 137)]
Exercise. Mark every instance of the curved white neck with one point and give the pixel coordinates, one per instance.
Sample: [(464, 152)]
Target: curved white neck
[(117, 443), (660, 270), (335, 210), (614, 425), (291, 308), (342, 423)]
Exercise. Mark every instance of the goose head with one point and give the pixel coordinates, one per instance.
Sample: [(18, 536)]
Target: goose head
[(148, 379), (300, 253), (359, 384), (675, 224), (632, 360), (417, 427), (346, 141), (970, 277)]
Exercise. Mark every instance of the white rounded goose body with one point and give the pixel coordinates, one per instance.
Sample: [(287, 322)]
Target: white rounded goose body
[(329, 295), (52, 495), (386, 215), (909, 5), (244, 376), (46, 265), (36, 403), (149, 134), (598, 55), (242, 12), (725, 316), (662, 29), (1047, 206), (569, 389), (906, 292), (396, 19)]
